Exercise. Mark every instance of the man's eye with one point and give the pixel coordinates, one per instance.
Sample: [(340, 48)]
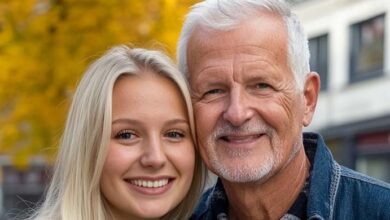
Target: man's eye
[(213, 91), (125, 134), (262, 86)]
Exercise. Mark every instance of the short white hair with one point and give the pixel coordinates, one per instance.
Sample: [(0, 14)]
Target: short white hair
[(223, 15)]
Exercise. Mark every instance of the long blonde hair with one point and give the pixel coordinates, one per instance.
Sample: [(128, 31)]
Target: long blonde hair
[(74, 192)]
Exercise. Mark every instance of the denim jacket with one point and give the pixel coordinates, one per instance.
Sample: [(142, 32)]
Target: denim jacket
[(335, 192)]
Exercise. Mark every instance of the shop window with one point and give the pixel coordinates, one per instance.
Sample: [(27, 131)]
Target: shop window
[(374, 154), (367, 49), (377, 166), (374, 143), (318, 47)]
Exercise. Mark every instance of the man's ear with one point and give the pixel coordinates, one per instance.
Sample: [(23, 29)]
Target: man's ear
[(311, 90)]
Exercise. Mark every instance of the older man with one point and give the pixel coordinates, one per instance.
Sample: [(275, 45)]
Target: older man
[(247, 62)]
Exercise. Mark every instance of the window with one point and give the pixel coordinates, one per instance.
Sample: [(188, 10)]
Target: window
[(377, 166), (318, 48), (373, 153), (367, 49)]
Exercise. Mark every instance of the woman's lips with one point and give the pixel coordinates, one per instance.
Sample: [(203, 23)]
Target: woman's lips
[(151, 187), (149, 183)]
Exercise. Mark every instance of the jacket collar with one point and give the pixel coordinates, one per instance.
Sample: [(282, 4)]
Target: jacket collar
[(325, 178)]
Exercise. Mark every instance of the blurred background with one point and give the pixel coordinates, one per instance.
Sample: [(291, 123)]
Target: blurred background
[(45, 45)]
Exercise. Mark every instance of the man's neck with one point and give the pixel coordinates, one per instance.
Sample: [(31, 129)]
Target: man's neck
[(271, 199)]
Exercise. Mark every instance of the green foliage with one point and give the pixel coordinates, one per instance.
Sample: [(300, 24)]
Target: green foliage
[(45, 45)]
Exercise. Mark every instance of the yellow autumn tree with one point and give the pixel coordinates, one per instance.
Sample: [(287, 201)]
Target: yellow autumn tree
[(45, 45)]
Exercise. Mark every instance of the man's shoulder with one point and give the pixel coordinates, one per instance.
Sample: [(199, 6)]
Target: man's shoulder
[(359, 177), (362, 183), (203, 205), (348, 194), (213, 203), (364, 195)]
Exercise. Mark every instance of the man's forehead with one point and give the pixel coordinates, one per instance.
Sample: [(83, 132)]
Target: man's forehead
[(208, 48), (268, 28)]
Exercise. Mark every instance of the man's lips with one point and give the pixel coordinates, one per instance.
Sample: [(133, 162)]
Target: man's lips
[(244, 138)]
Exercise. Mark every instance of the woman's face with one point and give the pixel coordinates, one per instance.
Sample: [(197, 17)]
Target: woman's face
[(151, 158)]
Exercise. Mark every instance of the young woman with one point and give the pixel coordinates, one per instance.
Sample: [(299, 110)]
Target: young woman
[(127, 151)]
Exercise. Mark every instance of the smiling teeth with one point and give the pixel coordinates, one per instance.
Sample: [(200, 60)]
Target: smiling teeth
[(149, 183)]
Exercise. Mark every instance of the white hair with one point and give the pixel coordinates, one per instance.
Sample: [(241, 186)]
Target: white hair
[(74, 192), (222, 15)]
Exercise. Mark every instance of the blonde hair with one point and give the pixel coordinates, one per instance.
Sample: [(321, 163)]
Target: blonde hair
[(74, 192)]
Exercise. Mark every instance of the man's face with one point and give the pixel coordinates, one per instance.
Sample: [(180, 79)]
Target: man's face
[(249, 112)]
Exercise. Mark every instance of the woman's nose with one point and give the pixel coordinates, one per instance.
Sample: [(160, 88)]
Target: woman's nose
[(153, 155)]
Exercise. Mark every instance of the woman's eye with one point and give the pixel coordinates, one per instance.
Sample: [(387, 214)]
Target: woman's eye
[(175, 135), (125, 134)]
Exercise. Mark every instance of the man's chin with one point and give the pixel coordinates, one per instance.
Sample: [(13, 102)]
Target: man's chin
[(242, 174)]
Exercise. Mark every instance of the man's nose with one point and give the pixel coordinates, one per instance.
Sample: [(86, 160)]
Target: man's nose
[(153, 155), (238, 110)]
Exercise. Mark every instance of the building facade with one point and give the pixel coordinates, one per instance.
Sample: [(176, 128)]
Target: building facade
[(21, 189), (349, 45)]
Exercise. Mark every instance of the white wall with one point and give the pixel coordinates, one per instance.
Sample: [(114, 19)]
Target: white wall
[(344, 102)]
